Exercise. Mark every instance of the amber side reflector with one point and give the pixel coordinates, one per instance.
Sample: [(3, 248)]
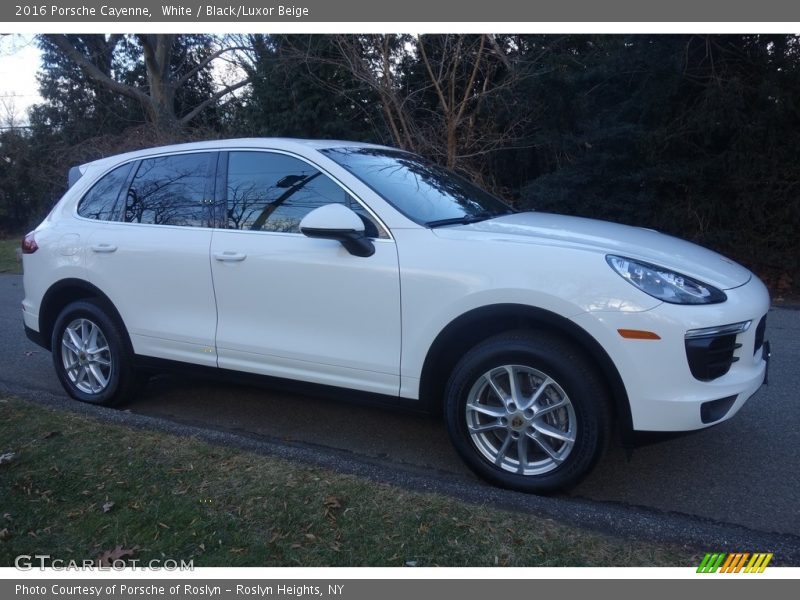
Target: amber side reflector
[(638, 334)]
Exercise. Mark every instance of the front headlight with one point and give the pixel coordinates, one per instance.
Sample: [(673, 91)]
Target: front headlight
[(664, 284)]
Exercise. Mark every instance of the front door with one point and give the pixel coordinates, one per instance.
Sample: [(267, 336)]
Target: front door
[(295, 307)]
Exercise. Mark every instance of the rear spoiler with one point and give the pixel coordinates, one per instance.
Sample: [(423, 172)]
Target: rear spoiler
[(75, 173)]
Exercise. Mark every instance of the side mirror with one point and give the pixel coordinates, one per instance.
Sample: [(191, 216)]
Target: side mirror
[(337, 222)]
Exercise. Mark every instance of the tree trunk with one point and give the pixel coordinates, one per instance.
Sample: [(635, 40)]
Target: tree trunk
[(160, 105)]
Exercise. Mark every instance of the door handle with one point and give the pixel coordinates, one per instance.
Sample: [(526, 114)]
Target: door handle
[(104, 248), (229, 256)]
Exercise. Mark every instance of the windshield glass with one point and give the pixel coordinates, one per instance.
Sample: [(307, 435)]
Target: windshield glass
[(423, 191)]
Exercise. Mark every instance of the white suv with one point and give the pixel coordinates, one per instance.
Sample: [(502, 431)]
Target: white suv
[(367, 269)]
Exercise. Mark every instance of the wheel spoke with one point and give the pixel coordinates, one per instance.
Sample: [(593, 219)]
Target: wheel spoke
[(80, 375), (537, 395), (492, 411), (552, 432), (99, 360), (484, 427), (513, 386), (96, 374), (75, 339), (72, 366), (70, 346), (92, 340), (547, 448), (551, 407), (522, 453), (501, 452), (498, 391), (84, 333)]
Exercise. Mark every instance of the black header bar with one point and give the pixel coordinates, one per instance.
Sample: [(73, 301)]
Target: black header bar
[(408, 11)]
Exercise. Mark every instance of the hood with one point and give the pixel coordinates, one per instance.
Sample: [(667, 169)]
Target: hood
[(612, 238)]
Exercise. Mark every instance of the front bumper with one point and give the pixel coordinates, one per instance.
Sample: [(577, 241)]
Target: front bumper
[(663, 393)]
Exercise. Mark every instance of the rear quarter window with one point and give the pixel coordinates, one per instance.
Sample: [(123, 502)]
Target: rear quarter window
[(100, 201)]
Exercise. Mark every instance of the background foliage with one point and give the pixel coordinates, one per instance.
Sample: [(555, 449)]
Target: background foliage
[(696, 136)]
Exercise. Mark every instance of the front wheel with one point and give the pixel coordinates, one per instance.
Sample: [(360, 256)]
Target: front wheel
[(526, 411), (90, 355)]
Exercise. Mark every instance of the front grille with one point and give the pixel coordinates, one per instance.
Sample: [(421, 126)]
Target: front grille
[(711, 356), (762, 327)]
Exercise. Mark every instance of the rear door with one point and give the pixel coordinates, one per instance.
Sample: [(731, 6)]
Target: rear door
[(296, 307), (154, 263)]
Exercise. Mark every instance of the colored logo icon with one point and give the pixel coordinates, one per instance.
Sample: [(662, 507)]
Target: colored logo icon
[(736, 562)]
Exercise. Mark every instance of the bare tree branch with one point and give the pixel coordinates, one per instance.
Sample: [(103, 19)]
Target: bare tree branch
[(206, 62), (211, 99), (163, 82), (91, 70), (434, 80), (499, 52), (471, 82)]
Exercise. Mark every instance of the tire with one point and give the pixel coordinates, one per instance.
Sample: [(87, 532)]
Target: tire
[(546, 434), (95, 345)]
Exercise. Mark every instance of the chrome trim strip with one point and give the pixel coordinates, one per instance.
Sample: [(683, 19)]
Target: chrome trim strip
[(733, 328)]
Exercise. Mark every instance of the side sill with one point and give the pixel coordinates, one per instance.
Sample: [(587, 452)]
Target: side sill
[(160, 365)]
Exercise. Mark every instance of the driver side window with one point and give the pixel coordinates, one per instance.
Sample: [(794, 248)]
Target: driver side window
[(273, 192)]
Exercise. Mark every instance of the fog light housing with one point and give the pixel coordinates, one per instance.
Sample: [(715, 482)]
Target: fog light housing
[(714, 410)]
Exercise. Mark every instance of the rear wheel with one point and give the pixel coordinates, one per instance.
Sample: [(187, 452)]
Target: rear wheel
[(91, 357), (525, 410)]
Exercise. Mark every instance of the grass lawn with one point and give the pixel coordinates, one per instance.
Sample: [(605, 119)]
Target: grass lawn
[(8, 256), (76, 487)]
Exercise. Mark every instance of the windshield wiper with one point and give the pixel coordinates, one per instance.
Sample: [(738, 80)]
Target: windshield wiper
[(465, 220)]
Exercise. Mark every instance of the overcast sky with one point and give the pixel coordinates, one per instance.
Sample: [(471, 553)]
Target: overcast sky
[(19, 63)]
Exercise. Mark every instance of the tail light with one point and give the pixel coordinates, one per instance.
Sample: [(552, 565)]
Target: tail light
[(29, 245)]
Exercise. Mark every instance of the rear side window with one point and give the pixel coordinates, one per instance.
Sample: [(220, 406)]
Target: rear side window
[(101, 200), (172, 190)]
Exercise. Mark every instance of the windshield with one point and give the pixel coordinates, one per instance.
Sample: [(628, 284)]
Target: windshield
[(423, 191)]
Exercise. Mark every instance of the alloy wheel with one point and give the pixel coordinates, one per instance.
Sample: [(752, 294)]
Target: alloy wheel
[(86, 356), (520, 420)]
